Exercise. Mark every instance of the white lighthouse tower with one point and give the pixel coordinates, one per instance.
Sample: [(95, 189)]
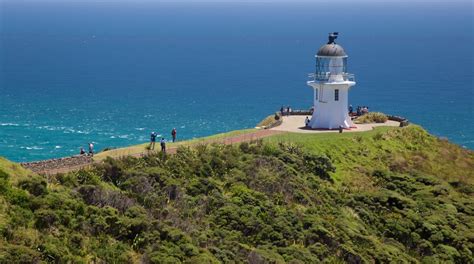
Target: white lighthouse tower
[(331, 84)]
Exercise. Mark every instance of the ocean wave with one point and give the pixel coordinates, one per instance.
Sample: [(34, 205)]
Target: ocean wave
[(71, 130), (9, 124), (32, 148), (52, 128)]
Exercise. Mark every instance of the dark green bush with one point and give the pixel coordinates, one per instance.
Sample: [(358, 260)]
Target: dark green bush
[(34, 185)]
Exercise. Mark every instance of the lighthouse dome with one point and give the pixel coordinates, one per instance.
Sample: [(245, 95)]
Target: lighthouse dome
[(331, 50)]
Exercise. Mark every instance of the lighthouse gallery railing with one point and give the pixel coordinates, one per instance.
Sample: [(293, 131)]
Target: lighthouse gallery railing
[(325, 76)]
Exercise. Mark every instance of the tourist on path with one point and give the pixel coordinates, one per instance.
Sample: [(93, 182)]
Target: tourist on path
[(82, 151), (91, 149), (306, 122), (152, 140), (173, 134), (350, 109), (163, 145)]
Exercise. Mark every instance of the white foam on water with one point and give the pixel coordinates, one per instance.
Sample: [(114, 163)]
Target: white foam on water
[(33, 148), (52, 128), (9, 124)]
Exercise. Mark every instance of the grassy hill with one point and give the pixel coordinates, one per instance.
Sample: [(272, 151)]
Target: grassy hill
[(388, 195)]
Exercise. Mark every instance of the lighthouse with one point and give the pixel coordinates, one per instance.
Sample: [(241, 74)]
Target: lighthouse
[(331, 84)]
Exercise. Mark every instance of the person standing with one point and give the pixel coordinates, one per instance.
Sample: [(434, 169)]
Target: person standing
[(152, 140), (163, 145), (91, 149), (173, 134)]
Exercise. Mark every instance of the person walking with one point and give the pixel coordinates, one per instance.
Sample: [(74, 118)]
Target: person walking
[(306, 122), (163, 145), (91, 149), (152, 140), (173, 134)]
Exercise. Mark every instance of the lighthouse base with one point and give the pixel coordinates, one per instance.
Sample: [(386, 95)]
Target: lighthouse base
[(330, 122)]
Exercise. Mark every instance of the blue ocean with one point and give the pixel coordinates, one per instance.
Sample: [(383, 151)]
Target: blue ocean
[(110, 72)]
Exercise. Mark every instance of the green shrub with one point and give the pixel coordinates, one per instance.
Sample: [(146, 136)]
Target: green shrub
[(270, 120), (18, 254), (45, 218), (372, 117), (34, 185)]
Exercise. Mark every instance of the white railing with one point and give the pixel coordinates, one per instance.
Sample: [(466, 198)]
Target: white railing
[(326, 76)]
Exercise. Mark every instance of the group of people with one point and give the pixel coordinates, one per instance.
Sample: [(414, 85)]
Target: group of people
[(91, 150), (153, 137), (307, 121), (285, 110), (361, 110)]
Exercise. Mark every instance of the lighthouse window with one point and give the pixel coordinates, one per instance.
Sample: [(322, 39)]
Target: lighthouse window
[(336, 95)]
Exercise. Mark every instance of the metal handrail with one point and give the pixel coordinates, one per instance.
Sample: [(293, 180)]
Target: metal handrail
[(325, 76)]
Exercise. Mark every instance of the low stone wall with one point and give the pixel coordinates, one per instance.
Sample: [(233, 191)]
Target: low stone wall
[(57, 165), (299, 112), (274, 124), (403, 121)]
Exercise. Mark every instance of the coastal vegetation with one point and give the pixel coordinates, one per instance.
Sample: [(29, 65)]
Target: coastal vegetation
[(371, 117), (270, 120), (387, 195)]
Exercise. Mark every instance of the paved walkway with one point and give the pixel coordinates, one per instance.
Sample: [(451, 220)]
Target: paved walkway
[(68, 164), (296, 124)]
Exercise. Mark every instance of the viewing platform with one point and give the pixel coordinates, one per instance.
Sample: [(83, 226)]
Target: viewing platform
[(296, 123)]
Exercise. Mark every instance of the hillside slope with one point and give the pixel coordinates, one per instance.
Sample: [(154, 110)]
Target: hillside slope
[(386, 195)]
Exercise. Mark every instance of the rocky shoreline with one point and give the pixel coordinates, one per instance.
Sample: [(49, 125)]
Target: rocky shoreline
[(53, 166)]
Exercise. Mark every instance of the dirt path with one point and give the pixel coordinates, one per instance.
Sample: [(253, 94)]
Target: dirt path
[(68, 164)]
